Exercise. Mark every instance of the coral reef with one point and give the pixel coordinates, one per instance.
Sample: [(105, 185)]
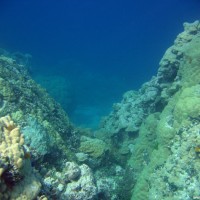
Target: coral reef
[(73, 182), (154, 95), (178, 177), (147, 148), (94, 147), (11, 143), (49, 139), (155, 130), (29, 105), (18, 181), (129, 114), (168, 161), (41, 143)]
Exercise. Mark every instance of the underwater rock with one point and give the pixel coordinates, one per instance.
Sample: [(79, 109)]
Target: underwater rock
[(113, 182), (37, 138), (128, 115), (73, 171), (83, 188), (154, 131), (73, 182), (172, 168), (106, 188)]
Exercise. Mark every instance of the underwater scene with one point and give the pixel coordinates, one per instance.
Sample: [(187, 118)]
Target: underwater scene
[(100, 100)]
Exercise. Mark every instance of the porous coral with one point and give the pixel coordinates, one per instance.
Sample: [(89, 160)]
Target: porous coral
[(17, 178), (11, 143)]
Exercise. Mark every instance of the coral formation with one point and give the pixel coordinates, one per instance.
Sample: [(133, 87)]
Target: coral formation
[(11, 143), (82, 187), (155, 127), (149, 144), (94, 147), (181, 111), (17, 92), (181, 91), (178, 178), (129, 114), (73, 182), (18, 180), (41, 143)]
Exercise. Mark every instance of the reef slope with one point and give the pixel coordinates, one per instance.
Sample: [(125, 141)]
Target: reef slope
[(147, 148), (159, 125)]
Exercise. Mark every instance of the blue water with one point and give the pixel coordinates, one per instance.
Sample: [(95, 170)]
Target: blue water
[(103, 48)]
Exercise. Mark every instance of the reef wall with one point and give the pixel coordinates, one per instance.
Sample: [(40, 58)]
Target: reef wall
[(157, 127)]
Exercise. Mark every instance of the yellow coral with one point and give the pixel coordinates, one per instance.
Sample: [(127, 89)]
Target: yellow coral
[(11, 141), (12, 153)]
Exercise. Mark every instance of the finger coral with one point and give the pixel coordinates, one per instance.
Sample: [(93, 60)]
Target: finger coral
[(11, 143), (17, 178)]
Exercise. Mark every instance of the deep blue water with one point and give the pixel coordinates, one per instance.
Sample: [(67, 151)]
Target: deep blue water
[(103, 48)]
